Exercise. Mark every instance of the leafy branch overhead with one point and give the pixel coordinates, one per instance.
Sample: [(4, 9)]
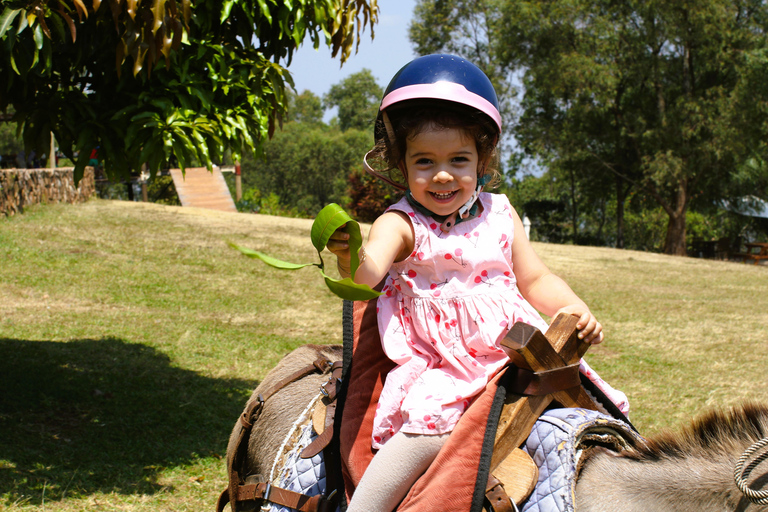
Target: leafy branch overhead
[(147, 81)]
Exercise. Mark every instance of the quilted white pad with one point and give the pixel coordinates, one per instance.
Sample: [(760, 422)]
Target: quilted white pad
[(555, 445), (306, 476)]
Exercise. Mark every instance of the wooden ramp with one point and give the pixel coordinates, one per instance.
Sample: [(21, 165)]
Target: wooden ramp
[(200, 188)]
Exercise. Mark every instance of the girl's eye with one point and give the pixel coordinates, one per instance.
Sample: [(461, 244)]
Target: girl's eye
[(423, 161), (461, 159)]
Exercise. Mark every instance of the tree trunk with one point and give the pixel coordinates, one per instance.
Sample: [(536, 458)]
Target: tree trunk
[(621, 197), (574, 209), (675, 240)]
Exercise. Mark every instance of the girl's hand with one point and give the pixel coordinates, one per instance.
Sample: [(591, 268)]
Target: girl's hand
[(589, 328), (338, 244)]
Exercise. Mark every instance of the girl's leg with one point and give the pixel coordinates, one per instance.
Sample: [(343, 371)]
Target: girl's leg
[(393, 470)]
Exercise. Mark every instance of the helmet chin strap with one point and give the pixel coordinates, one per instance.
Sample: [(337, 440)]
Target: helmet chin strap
[(465, 211)]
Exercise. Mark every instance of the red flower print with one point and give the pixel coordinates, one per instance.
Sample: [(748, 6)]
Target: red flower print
[(433, 226), (448, 256), (427, 417), (377, 439), (437, 318), (431, 426), (411, 273)]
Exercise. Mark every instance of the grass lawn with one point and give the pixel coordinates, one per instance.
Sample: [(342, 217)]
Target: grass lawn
[(131, 336)]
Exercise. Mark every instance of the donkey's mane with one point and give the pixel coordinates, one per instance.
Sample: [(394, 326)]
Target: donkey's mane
[(716, 431)]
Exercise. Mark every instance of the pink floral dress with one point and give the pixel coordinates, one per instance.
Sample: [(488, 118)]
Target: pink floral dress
[(442, 315)]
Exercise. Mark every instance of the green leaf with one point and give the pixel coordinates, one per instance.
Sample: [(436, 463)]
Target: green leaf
[(331, 218), (37, 35), (6, 19), (269, 260), (347, 289)]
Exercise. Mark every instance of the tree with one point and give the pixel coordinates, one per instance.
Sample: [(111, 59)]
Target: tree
[(307, 166), (147, 80), (468, 28), (651, 96), (357, 98), (652, 93), (306, 107)]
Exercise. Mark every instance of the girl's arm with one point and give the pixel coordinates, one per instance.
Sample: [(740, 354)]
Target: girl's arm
[(547, 292), (390, 239)]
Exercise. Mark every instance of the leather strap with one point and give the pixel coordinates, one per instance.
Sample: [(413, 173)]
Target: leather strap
[(330, 389), (261, 491), (497, 496)]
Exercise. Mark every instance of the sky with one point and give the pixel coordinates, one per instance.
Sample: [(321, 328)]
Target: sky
[(384, 56)]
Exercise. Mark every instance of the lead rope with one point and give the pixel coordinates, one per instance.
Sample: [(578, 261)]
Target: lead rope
[(741, 472)]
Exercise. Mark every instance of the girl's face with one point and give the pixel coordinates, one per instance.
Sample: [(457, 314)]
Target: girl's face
[(441, 164)]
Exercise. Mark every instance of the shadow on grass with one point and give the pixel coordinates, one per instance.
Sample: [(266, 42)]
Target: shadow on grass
[(103, 415)]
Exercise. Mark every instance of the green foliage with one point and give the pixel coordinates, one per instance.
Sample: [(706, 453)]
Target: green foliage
[(369, 196), (664, 100), (150, 80), (160, 189), (357, 98), (254, 202), (305, 108), (10, 143), (306, 167)]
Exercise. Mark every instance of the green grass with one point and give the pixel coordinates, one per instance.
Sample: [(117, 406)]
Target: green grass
[(131, 336)]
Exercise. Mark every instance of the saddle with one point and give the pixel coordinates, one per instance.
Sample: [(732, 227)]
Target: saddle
[(480, 467)]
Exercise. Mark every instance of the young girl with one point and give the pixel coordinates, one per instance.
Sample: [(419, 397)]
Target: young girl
[(459, 269)]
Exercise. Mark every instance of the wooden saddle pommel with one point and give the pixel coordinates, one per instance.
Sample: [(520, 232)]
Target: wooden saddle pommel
[(546, 369)]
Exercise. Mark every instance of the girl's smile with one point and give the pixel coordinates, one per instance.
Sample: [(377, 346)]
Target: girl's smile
[(441, 165)]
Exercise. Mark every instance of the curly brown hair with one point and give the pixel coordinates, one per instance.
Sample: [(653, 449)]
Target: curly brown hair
[(411, 118)]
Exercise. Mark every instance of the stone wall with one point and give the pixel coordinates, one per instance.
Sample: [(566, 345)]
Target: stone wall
[(23, 187)]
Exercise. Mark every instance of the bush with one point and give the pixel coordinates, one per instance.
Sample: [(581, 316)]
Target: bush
[(369, 196)]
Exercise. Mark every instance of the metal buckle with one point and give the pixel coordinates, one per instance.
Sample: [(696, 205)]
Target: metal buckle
[(267, 492)]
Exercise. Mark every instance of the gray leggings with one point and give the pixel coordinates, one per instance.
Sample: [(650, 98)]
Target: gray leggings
[(393, 470)]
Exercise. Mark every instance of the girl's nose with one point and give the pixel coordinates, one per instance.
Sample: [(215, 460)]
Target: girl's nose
[(442, 177)]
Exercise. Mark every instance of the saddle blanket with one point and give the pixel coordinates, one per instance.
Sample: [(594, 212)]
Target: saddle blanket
[(556, 444), (557, 441)]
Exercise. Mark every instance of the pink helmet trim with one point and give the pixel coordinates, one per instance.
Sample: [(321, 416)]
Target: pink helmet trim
[(443, 90)]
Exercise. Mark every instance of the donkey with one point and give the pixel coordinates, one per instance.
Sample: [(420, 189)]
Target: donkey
[(284, 406), (687, 471)]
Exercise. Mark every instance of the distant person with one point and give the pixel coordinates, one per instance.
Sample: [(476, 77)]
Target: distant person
[(459, 269), (94, 160)]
